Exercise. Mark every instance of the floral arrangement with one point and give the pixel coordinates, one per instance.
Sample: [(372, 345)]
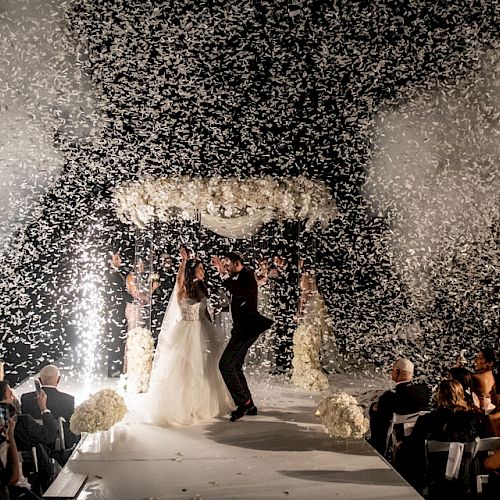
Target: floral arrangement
[(307, 372), (342, 416), (296, 198), (98, 413), (140, 350)]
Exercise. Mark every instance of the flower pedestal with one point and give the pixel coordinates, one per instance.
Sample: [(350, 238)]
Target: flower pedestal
[(140, 349)]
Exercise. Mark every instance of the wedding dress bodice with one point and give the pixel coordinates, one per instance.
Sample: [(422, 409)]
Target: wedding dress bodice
[(193, 311)]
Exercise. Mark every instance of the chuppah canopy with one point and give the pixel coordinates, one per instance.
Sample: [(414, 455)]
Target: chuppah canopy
[(230, 207)]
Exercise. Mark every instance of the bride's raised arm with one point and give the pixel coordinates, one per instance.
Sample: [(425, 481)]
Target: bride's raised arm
[(181, 273)]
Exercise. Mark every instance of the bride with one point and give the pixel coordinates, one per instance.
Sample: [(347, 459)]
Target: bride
[(186, 386)]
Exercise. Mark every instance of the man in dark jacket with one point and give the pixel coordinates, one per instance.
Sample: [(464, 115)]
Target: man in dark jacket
[(59, 403), (248, 324), (407, 397)]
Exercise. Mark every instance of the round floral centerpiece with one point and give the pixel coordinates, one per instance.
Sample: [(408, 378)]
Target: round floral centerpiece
[(98, 413), (140, 350), (342, 416)]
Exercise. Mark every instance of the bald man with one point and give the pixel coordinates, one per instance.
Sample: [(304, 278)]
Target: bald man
[(59, 403), (406, 398)]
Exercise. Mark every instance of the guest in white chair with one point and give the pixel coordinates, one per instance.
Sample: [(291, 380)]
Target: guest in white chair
[(407, 397), (59, 403)]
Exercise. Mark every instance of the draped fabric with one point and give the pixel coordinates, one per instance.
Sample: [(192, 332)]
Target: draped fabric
[(237, 227)]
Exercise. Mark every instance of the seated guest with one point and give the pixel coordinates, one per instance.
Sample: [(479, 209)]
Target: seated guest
[(464, 377), (59, 403), (407, 397), (483, 381), (492, 463), (495, 422), (452, 421), (14, 484), (29, 433)]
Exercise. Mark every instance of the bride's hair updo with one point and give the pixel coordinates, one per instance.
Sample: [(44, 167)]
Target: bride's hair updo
[(195, 289)]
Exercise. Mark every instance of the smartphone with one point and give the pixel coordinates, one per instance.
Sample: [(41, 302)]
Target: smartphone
[(4, 415), (38, 387)]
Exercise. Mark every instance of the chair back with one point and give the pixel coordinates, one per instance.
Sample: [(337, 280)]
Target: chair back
[(455, 470), (491, 444), (30, 468), (401, 426), (60, 440), (485, 447)]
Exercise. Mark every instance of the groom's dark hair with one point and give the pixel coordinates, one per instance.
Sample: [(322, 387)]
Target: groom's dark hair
[(234, 257)]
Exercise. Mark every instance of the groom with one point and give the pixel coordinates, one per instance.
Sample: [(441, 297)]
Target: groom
[(248, 324)]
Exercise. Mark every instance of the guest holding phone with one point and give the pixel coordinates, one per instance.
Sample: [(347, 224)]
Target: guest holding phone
[(14, 484), (59, 403), (29, 433)]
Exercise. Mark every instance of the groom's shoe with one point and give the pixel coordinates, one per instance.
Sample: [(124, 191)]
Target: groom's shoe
[(241, 411)]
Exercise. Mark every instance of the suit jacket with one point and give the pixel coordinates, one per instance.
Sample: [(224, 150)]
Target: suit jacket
[(246, 318), (59, 403), (405, 398), (117, 292)]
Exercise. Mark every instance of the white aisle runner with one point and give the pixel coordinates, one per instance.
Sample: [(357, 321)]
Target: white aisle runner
[(281, 453)]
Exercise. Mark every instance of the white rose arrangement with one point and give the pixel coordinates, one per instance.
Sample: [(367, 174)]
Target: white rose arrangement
[(98, 413), (307, 372), (342, 416), (140, 350), (297, 198)]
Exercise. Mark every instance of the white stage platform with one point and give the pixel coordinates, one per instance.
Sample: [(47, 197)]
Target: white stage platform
[(281, 453)]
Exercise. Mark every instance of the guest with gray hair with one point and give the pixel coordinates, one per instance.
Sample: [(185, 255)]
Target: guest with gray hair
[(58, 402), (406, 397)]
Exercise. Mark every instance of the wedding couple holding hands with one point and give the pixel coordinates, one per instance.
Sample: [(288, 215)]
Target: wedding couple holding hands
[(194, 378)]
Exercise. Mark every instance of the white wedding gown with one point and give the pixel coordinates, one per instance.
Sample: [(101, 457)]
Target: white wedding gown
[(186, 386)]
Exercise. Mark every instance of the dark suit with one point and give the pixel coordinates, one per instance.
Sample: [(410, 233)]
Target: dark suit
[(159, 300), (248, 324), (405, 398), (59, 403), (284, 300), (117, 298)]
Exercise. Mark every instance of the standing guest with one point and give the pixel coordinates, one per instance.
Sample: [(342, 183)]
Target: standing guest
[(284, 298), (141, 289), (166, 282), (117, 298), (407, 397), (248, 324), (58, 402), (483, 381), (262, 352)]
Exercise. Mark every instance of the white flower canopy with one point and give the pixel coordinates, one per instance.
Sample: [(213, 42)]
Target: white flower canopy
[(230, 207)]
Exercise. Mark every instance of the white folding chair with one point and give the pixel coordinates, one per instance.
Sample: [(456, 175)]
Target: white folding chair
[(465, 457), (404, 422), (485, 447)]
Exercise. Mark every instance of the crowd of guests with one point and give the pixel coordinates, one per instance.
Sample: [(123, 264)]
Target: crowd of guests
[(33, 422), (466, 408)]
